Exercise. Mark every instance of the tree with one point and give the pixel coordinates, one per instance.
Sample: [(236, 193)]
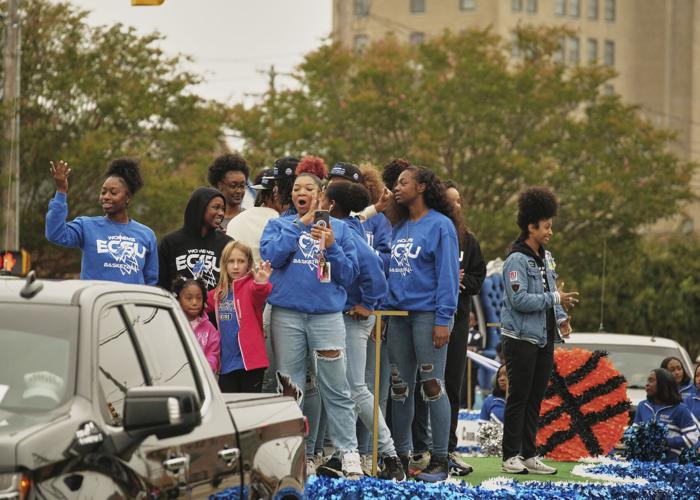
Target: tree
[(92, 94), (461, 106)]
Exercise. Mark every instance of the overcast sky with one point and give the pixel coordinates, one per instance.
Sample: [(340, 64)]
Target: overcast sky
[(232, 41)]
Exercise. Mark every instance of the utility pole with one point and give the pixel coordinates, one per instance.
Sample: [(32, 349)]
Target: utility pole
[(9, 183)]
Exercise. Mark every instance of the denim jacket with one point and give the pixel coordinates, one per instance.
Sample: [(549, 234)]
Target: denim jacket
[(525, 305)]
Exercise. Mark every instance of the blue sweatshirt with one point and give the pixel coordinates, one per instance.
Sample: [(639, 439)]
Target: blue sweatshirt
[(424, 267), (111, 251), (691, 398), (378, 232), (493, 409), (369, 289), (682, 431), (293, 253)]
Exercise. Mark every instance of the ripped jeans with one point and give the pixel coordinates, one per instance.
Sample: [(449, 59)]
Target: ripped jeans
[(411, 350), (295, 335)]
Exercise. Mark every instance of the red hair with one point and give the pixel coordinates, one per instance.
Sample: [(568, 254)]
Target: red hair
[(313, 165)]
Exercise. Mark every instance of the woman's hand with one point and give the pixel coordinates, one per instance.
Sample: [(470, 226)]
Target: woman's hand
[(359, 312), (441, 336), (318, 232), (60, 175), (383, 200), (565, 328), (263, 270), (461, 279), (568, 299), (308, 217)]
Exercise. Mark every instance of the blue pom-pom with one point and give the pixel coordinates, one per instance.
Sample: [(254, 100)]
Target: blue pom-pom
[(646, 442)]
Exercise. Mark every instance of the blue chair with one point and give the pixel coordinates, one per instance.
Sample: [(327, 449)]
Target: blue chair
[(490, 300)]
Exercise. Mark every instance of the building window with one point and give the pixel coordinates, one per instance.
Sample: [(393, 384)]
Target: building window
[(360, 43), (417, 6), (592, 51), (516, 5), (560, 7), (593, 10), (532, 6), (610, 10), (514, 46), (361, 8), (417, 37), (608, 90), (467, 4), (574, 50), (559, 53), (609, 56), (575, 8)]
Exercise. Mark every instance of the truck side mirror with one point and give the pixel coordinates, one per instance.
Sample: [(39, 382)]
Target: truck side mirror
[(160, 411)]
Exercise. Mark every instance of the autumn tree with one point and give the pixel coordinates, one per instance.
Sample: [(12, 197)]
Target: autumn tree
[(92, 94)]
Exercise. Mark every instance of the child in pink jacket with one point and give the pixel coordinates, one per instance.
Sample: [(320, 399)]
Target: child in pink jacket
[(191, 294)]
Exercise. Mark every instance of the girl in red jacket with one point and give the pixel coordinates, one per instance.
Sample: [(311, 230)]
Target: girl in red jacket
[(238, 301)]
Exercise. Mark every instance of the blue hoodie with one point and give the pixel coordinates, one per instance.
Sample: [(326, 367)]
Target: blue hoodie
[(682, 431), (424, 267), (493, 409), (293, 253), (378, 232), (111, 251), (369, 289)]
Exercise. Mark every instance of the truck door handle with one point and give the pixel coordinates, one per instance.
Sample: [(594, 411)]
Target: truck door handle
[(175, 464), (229, 455)]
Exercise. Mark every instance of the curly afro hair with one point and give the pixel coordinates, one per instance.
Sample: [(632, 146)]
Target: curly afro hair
[(534, 205), (128, 171), (435, 198), (224, 164), (313, 165), (372, 180), (348, 196), (392, 170)]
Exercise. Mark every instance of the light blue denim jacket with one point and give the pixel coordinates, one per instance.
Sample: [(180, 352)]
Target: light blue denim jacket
[(525, 305)]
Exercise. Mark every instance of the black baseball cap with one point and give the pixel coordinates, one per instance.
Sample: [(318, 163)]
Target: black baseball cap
[(267, 180), (285, 167), (347, 171)]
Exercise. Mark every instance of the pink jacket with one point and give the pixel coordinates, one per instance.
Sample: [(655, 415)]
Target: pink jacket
[(249, 301), (208, 337)]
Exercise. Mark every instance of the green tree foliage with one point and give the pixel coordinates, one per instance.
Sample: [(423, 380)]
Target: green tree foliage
[(461, 105), (92, 94)]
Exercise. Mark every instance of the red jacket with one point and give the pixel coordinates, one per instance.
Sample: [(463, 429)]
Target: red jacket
[(249, 300)]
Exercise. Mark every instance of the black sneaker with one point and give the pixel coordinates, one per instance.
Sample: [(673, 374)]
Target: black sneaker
[(404, 459), (436, 471), (393, 469), (332, 468), (458, 467)]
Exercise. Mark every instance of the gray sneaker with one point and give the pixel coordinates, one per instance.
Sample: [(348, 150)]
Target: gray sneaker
[(537, 466), (352, 467), (514, 465)]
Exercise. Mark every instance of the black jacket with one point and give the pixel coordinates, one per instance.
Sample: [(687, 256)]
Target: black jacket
[(185, 252), (472, 261)]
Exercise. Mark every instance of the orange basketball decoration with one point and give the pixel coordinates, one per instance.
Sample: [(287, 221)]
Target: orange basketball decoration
[(585, 409)]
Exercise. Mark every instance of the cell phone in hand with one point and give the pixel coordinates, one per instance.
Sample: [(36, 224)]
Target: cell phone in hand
[(322, 218)]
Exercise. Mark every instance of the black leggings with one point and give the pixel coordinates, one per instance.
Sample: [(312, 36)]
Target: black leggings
[(529, 368), (242, 380)]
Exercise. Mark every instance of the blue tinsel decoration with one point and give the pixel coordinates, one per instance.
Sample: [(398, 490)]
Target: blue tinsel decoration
[(646, 442), (690, 456)]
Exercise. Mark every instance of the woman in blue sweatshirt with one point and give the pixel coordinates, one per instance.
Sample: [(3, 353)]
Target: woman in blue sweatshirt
[(675, 366), (423, 280), (494, 405), (115, 247), (307, 309), (364, 295), (664, 405), (691, 397)]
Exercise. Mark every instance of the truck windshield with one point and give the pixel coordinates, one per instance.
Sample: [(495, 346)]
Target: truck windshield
[(37, 356), (634, 362)]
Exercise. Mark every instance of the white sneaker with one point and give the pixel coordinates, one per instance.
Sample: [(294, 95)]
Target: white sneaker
[(366, 464), (514, 465), (310, 467), (537, 466), (352, 467)]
